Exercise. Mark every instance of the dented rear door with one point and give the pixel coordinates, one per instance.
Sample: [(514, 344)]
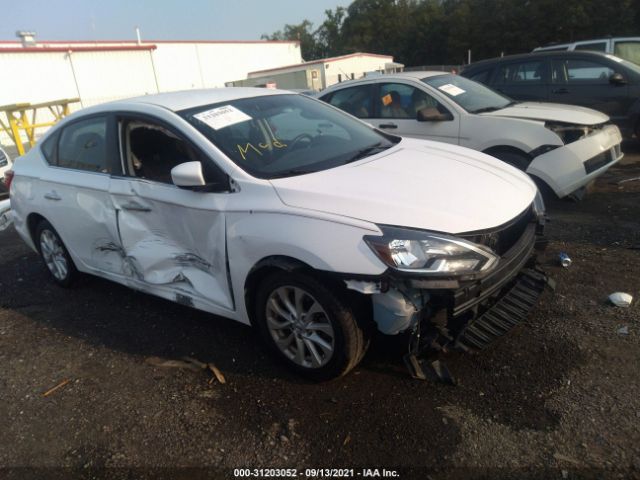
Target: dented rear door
[(172, 238)]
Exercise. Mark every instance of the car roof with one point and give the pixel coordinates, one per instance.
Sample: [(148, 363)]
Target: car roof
[(186, 99), (539, 54), (419, 74)]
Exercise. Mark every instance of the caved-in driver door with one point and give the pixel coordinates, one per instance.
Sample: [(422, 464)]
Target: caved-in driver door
[(172, 239)]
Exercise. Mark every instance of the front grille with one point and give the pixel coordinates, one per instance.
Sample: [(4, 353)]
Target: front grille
[(509, 311), (502, 239), (598, 161)]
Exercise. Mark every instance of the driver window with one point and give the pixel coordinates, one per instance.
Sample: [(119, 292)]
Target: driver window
[(151, 151), (397, 100)]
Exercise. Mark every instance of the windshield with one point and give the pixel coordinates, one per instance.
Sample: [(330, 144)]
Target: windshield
[(472, 96), (278, 136)]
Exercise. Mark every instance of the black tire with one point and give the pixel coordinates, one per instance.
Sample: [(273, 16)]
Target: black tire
[(515, 159), (45, 231), (349, 339)]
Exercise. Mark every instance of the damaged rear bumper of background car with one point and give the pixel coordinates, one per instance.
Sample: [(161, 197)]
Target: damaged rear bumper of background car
[(460, 312)]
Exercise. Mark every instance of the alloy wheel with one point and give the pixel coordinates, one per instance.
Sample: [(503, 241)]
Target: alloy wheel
[(300, 327), (54, 255)]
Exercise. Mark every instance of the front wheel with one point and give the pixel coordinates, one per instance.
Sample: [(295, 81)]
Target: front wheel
[(308, 326), (515, 159), (55, 255)]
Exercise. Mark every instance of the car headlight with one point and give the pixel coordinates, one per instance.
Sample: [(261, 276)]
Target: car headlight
[(569, 133), (430, 253)]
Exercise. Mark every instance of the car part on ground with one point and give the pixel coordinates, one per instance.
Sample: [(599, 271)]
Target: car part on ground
[(277, 210)]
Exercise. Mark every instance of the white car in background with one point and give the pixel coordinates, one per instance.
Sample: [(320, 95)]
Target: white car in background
[(564, 146), (277, 210), (5, 163)]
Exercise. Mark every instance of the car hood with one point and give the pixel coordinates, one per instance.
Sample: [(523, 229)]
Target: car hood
[(552, 112), (417, 184)]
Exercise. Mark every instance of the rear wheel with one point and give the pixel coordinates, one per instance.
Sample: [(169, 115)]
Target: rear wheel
[(308, 326), (55, 255)]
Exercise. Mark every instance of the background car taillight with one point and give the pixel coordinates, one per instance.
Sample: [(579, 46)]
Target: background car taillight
[(8, 178)]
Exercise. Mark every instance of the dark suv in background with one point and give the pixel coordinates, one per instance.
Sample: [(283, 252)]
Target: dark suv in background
[(590, 79)]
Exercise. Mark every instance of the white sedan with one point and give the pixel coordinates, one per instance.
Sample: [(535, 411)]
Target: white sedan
[(277, 210), (564, 146)]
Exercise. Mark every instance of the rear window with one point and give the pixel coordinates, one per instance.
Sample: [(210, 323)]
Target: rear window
[(481, 76), (353, 100), (628, 50), (522, 72), (83, 146), (48, 148), (594, 46)]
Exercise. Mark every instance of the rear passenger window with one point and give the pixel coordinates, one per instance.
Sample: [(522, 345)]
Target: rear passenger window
[(48, 148), (83, 146), (520, 73), (354, 100)]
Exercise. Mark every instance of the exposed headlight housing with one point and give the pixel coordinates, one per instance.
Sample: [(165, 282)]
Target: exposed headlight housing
[(430, 253), (570, 133), (538, 205)]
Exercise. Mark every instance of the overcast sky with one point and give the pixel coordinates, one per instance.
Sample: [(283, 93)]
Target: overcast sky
[(157, 19)]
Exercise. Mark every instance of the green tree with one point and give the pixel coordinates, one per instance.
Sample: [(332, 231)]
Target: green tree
[(430, 32), (304, 34), (329, 36)]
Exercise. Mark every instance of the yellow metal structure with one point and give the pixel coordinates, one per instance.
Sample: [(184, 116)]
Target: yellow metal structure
[(23, 117)]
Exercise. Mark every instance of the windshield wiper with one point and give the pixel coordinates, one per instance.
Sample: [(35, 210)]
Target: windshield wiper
[(493, 109), (291, 172), (368, 151)]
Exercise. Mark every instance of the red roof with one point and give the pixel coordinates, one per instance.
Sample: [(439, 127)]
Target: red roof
[(104, 48), (133, 42)]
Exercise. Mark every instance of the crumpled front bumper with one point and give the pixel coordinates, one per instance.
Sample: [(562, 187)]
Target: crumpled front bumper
[(570, 167), (464, 313)]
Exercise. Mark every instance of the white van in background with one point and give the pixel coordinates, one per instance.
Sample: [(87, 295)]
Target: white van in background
[(623, 47)]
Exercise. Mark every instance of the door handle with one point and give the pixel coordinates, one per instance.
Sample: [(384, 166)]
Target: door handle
[(52, 196), (135, 207), (388, 125), (560, 90)]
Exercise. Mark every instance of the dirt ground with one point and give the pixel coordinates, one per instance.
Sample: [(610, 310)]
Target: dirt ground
[(557, 398)]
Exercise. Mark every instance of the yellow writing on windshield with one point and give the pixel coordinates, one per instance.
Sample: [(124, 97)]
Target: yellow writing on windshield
[(275, 143)]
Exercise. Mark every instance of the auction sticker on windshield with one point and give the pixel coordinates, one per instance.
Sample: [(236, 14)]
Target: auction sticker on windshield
[(452, 90), (222, 117)]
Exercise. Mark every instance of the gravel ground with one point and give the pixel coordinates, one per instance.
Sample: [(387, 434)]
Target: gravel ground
[(557, 398)]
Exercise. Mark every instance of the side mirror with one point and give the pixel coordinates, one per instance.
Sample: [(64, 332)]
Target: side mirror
[(431, 114), (617, 79), (188, 174)]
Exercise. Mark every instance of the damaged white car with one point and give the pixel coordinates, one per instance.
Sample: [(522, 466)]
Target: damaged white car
[(279, 211), (563, 146)]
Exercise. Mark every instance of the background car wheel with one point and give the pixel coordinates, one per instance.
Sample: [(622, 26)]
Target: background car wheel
[(308, 326), (55, 255), (515, 159)]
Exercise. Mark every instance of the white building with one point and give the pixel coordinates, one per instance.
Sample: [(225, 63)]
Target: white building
[(319, 74), (97, 72)]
